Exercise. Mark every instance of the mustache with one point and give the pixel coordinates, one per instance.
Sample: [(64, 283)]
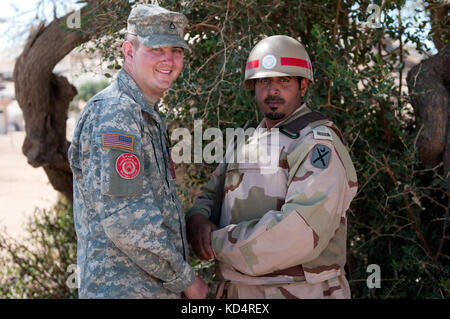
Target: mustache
[(272, 98)]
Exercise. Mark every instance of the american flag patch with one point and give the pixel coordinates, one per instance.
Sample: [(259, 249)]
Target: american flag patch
[(122, 141)]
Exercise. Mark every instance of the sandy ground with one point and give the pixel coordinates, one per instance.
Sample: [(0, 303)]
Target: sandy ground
[(22, 187)]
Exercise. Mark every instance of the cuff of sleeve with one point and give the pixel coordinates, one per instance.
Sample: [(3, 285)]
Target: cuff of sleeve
[(194, 211), (218, 238), (184, 280)]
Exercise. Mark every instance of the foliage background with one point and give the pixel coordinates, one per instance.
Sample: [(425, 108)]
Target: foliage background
[(399, 218)]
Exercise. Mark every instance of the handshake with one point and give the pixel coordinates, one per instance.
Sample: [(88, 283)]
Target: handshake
[(199, 230)]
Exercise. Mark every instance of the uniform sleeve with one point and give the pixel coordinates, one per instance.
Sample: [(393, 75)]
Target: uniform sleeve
[(138, 231), (129, 213), (208, 203), (307, 221)]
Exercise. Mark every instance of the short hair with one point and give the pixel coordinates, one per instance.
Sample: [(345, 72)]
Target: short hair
[(133, 39)]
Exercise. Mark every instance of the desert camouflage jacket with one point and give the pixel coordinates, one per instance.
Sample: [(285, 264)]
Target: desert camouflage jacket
[(285, 223), (129, 222)]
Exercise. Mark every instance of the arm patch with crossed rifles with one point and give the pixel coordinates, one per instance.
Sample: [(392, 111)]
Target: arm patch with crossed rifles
[(321, 155)]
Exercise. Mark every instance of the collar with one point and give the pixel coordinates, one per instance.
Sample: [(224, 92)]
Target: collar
[(127, 84), (302, 110)]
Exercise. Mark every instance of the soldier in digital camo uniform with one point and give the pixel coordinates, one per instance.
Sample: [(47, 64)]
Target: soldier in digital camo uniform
[(282, 231), (129, 222)]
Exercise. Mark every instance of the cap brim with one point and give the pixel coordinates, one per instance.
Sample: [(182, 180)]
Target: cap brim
[(155, 41), (267, 74)]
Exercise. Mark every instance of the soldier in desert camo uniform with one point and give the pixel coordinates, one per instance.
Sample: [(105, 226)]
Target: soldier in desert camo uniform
[(129, 221), (281, 230)]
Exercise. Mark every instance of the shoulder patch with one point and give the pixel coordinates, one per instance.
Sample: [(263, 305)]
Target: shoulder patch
[(320, 156), (121, 141), (128, 166), (322, 133)]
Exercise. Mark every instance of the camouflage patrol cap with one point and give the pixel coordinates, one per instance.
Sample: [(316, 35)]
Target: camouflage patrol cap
[(156, 27)]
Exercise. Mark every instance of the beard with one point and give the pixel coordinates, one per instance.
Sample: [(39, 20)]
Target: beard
[(272, 115)]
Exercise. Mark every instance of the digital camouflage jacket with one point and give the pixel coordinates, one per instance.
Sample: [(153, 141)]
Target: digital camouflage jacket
[(129, 222)]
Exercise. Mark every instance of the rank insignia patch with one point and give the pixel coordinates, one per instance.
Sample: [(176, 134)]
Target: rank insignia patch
[(122, 141), (322, 133), (320, 156)]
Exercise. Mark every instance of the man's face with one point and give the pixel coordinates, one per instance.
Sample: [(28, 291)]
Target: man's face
[(155, 69), (278, 97)]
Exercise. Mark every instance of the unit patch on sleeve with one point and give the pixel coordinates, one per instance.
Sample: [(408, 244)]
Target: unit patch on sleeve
[(128, 166), (121, 141), (320, 156)]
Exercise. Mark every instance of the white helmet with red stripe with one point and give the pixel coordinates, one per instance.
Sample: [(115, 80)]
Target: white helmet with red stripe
[(275, 56)]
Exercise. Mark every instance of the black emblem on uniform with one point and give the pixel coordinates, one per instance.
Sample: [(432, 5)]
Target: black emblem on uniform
[(320, 156), (172, 26)]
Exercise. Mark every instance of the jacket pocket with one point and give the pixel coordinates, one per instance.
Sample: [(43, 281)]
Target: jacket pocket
[(121, 174)]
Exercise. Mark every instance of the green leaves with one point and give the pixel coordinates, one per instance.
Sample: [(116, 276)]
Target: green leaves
[(37, 268), (357, 71)]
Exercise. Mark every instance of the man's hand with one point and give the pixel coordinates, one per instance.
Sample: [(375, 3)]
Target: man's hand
[(197, 290), (199, 235)]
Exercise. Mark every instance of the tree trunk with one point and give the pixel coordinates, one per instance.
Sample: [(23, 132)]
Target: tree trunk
[(44, 98), (440, 23), (429, 88)]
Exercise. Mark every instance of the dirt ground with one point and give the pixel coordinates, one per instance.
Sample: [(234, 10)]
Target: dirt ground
[(22, 187)]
